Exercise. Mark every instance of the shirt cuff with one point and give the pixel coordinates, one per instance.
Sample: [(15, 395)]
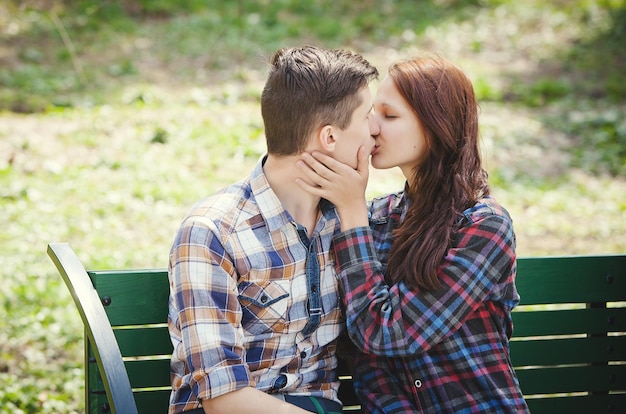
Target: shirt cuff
[(221, 381), (353, 247)]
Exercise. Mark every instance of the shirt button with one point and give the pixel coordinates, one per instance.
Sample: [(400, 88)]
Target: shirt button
[(418, 383), (303, 354), (263, 299)]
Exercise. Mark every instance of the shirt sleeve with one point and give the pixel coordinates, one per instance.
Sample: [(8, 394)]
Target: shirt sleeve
[(398, 321), (205, 309)]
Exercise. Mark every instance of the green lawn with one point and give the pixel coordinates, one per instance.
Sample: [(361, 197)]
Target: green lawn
[(114, 121)]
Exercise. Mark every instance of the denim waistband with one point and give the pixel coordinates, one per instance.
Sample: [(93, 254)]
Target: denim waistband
[(317, 405)]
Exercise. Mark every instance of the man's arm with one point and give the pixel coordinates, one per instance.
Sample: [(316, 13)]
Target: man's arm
[(205, 314), (249, 400), (205, 308)]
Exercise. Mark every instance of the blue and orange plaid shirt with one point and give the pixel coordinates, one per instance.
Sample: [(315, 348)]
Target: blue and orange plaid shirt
[(253, 300), (433, 352)]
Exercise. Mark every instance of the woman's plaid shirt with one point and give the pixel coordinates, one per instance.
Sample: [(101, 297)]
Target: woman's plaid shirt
[(241, 282), (440, 352)]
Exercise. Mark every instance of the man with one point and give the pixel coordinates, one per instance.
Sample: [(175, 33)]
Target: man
[(254, 304)]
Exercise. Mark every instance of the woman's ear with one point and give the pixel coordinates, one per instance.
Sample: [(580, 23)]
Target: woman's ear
[(326, 138)]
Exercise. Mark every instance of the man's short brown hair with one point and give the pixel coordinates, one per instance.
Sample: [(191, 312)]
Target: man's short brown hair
[(309, 87)]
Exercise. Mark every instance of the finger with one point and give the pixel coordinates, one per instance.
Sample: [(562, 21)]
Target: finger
[(316, 191), (327, 161), (362, 165), (310, 171), (319, 167)]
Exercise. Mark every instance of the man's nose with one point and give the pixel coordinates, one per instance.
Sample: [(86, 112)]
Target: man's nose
[(374, 127)]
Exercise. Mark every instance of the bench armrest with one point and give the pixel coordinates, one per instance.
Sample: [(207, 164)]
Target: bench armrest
[(97, 327)]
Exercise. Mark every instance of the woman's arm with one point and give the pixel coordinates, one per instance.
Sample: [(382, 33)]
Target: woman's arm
[(397, 320)]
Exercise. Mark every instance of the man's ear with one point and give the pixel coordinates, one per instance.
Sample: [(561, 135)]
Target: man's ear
[(326, 138)]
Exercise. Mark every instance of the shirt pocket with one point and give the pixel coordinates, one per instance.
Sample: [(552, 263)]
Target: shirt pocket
[(264, 307)]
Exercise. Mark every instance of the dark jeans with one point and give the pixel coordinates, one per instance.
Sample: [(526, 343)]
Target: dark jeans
[(315, 404)]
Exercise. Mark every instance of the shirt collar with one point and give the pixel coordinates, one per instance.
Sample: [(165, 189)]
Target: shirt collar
[(270, 206)]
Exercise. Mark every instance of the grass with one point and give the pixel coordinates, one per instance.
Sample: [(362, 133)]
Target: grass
[(118, 116)]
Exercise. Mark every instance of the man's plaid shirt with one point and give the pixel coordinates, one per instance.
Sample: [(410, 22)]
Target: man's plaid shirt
[(241, 285), (440, 352)]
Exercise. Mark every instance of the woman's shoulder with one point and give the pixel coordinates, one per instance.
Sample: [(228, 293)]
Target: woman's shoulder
[(382, 206), (485, 208)]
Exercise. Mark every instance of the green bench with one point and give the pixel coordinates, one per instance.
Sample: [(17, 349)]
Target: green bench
[(568, 347)]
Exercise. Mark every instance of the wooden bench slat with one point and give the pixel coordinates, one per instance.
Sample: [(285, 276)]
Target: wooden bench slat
[(138, 297), (144, 341), (568, 351), (567, 322), (148, 373), (582, 279), (579, 404), (556, 380), (152, 401)]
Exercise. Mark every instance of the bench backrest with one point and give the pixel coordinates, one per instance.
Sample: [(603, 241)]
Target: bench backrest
[(569, 335), (138, 316), (568, 347), (136, 305)]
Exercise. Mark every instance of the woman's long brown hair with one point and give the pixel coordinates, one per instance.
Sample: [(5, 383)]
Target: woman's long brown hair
[(448, 179)]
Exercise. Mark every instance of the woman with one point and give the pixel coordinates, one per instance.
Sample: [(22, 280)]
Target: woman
[(429, 280)]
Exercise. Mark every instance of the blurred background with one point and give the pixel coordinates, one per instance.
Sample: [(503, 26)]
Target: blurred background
[(116, 116)]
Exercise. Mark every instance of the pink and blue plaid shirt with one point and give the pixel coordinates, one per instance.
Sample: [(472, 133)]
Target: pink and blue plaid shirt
[(253, 300), (440, 352)]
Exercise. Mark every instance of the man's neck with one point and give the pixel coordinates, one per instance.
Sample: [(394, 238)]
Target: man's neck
[(281, 173)]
